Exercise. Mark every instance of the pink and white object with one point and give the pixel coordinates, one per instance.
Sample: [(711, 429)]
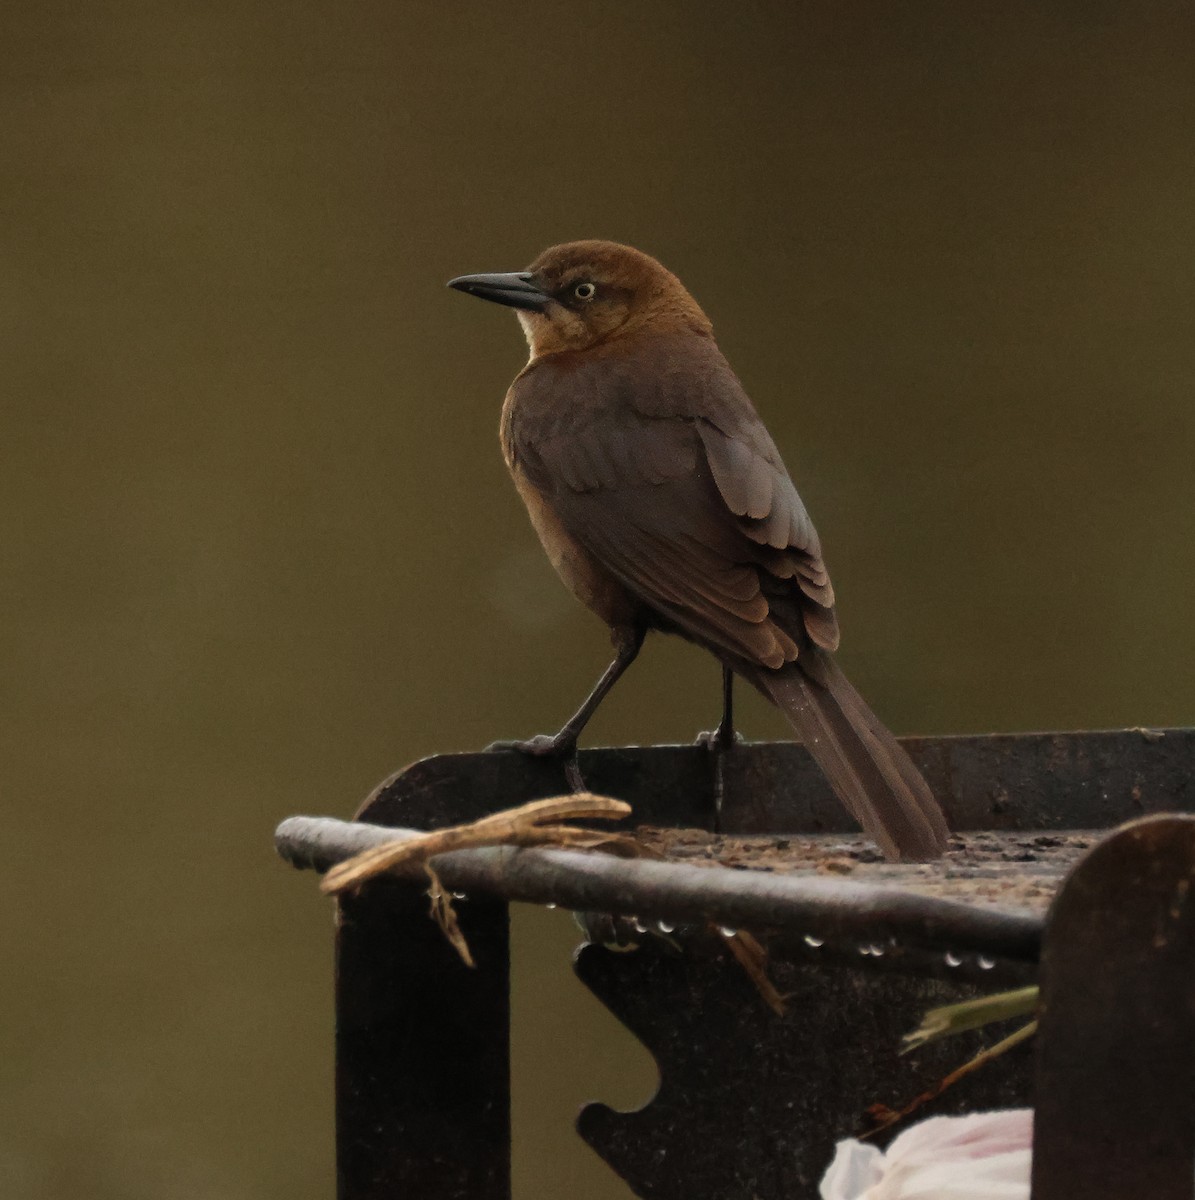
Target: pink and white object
[(984, 1156)]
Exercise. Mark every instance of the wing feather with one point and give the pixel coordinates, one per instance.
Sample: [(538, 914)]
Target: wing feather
[(670, 480)]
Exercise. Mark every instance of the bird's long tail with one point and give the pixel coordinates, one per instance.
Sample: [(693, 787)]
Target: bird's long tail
[(869, 771)]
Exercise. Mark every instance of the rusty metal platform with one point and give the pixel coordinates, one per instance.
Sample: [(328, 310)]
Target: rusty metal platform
[(750, 1103)]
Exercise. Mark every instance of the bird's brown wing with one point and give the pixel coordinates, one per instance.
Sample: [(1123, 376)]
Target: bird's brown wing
[(670, 481)]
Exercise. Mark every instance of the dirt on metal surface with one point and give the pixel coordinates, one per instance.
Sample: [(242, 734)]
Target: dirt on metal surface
[(1004, 870)]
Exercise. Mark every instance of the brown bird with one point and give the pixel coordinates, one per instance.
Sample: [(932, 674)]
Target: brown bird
[(663, 503)]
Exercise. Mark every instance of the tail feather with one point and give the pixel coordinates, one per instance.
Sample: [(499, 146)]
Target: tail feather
[(896, 753), (868, 769)]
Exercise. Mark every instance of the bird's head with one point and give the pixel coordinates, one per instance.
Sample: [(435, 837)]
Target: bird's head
[(580, 294)]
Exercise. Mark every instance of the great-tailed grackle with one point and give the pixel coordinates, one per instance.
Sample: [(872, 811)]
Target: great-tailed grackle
[(663, 503)]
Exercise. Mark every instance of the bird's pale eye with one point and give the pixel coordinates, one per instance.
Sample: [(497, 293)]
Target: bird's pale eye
[(584, 291)]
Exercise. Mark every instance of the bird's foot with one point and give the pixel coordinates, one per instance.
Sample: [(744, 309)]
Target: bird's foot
[(718, 740), (546, 745), (543, 745)]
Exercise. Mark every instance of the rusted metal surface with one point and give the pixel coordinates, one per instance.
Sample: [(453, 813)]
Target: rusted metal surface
[(1029, 781), (830, 906), (666, 784), (990, 870), (1023, 781), (1001, 870), (1115, 1087), (750, 1103)]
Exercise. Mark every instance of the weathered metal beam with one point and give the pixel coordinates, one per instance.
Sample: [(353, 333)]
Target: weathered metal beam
[(825, 906), (1005, 781)]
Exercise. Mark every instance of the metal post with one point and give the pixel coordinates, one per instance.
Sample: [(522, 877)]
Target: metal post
[(1115, 1089), (422, 1051)]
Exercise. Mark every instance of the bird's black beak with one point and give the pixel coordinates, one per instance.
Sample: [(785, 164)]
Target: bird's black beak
[(512, 288)]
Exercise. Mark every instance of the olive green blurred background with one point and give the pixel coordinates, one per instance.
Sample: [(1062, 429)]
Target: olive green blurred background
[(257, 547)]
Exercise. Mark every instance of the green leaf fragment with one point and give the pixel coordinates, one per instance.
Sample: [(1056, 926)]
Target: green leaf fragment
[(971, 1014)]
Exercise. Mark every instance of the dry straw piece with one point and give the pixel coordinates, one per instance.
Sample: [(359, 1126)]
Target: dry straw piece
[(534, 824)]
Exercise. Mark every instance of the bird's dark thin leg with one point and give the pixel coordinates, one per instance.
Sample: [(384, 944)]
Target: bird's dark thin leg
[(564, 743), (724, 734), (721, 740)]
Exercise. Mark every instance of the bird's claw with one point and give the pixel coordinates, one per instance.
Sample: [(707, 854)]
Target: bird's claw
[(546, 745), (718, 739), (542, 745)]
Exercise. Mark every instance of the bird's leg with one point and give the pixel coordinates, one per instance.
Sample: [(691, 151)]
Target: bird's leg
[(722, 740), (563, 744), (724, 737)]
